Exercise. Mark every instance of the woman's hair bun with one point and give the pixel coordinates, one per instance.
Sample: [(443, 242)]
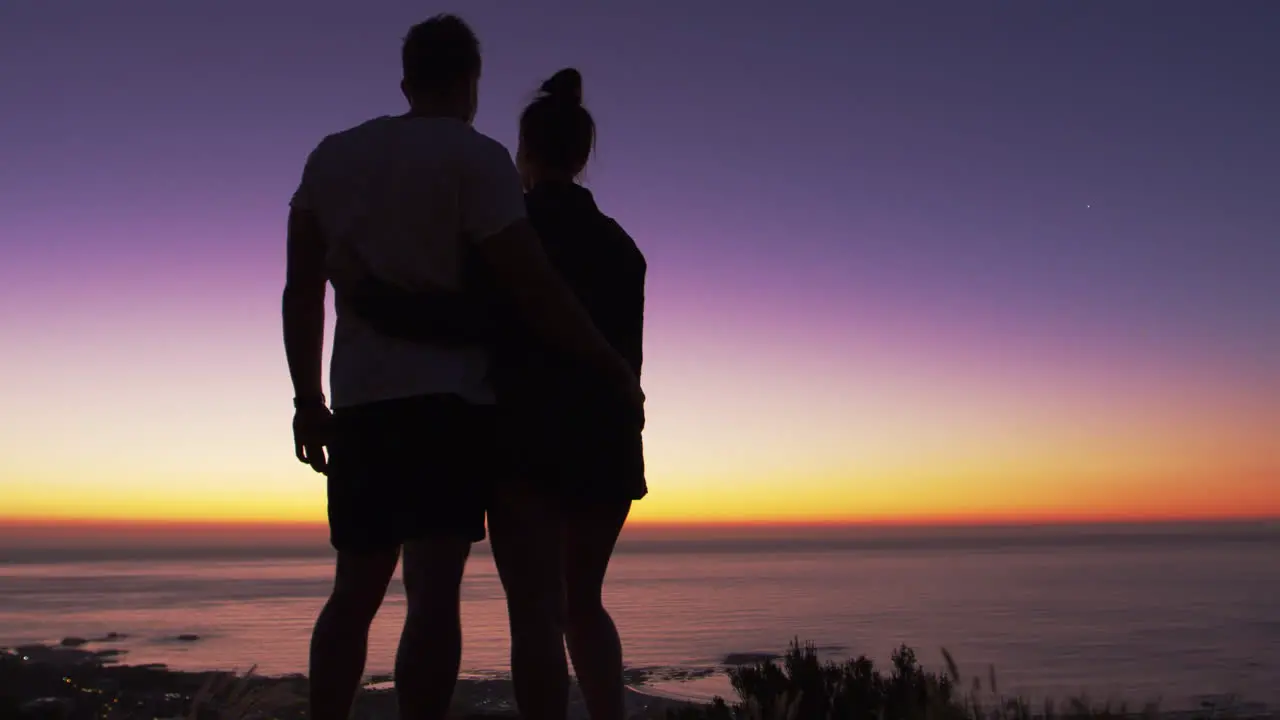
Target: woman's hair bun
[(564, 85)]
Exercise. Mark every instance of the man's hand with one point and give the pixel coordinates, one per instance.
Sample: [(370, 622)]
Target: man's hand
[(636, 403), (312, 431), (630, 394), (303, 314)]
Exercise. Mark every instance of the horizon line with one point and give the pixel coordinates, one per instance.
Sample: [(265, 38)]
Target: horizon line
[(938, 522)]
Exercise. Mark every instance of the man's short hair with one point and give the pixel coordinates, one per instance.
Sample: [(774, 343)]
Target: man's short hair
[(440, 56)]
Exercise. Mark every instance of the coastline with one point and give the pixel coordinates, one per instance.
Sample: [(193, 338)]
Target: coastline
[(72, 681)]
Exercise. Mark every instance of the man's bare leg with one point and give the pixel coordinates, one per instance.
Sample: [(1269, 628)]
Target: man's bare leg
[(431, 644), (340, 641)]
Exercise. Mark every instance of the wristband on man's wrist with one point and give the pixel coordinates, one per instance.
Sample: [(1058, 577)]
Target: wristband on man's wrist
[(308, 401)]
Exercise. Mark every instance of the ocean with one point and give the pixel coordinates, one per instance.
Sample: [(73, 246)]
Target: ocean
[(1136, 613)]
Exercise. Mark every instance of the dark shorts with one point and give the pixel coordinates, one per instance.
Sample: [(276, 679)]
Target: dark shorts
[(579, 458), (410, 469)]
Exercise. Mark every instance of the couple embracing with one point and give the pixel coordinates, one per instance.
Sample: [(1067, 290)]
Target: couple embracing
[(486, 363)]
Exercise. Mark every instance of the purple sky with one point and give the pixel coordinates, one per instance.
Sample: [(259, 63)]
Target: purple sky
[(1087, 188)]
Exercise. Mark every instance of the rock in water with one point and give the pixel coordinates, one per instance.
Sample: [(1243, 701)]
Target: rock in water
[(749, 658), (48, 707)]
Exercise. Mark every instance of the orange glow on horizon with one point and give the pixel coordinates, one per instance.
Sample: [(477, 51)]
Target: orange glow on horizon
[(821, 438), (236, 525), (74, 533), (748, 505)]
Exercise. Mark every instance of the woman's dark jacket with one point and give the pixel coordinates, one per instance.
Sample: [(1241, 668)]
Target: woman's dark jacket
[(563, 429)]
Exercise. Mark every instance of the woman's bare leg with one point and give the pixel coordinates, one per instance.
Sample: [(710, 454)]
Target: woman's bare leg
[(590, 534), (525, 534)]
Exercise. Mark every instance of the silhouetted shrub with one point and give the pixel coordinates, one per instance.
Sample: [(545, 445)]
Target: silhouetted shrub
[(803, 687)]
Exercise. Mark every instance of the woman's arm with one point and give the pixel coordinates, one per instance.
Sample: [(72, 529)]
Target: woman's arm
[(434, 317), (440, 317)]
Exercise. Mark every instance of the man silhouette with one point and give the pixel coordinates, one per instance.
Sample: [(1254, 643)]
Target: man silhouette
[(411, 438)]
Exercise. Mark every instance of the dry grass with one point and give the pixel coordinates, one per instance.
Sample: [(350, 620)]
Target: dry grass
[(227, 696), (802, 687)]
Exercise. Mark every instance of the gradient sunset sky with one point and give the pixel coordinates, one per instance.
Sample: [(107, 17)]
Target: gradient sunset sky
[(921, 261)]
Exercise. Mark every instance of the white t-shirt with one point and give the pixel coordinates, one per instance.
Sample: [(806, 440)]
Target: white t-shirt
[(405, 193)]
